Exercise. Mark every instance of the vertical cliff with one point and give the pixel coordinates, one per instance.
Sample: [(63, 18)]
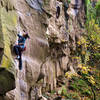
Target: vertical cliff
[(52, 41), (55, 28), (48, 53), (8, 22)]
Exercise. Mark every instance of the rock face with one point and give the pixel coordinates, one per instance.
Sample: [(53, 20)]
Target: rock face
[(8, 21), (49, 48)]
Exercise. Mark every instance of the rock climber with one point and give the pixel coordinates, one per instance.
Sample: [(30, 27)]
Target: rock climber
[(20, 47), (57, 11)]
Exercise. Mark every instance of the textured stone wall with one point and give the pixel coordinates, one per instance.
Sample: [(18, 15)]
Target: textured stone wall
[(46, 61), (48, 51), (8, 22)]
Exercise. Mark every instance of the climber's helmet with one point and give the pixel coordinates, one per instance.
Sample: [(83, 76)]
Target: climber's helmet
[(25, 35)]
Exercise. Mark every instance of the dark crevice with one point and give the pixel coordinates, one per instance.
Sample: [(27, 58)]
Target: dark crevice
[(57, 12), (1, 3), (60, 0), (1, 53), (29, 93), (7, 81), (7, 8), (21, 23), (65, 13), (41, 76), (48, 14), (41, 9), (46, 25)]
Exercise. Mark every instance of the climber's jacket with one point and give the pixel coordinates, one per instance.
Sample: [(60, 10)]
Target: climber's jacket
[(21, 41)]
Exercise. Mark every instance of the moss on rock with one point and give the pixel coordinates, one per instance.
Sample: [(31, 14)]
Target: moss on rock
[(8, 22)]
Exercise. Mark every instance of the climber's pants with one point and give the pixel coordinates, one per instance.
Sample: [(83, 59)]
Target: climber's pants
[(20, 62), (17, 50)]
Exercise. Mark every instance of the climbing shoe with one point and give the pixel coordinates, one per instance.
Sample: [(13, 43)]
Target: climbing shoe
[(18, 57)]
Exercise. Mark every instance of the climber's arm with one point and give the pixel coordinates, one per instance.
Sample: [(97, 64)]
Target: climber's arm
[(19, 35)]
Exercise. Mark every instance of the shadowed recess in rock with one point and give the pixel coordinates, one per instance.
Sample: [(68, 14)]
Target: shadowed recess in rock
[(7, 81), (1, 53)]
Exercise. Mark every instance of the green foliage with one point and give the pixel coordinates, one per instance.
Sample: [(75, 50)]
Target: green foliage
[(91, 48), (80, 85), (91, 12), (87, 2), (69, 1), (63, 91), (88, 48), (93, 34), (53, 91), (88, 53), (67, 95), (98, 9), (72, 96)]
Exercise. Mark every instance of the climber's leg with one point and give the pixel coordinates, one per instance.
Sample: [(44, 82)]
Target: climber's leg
[(16, 49), (20, 60)]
